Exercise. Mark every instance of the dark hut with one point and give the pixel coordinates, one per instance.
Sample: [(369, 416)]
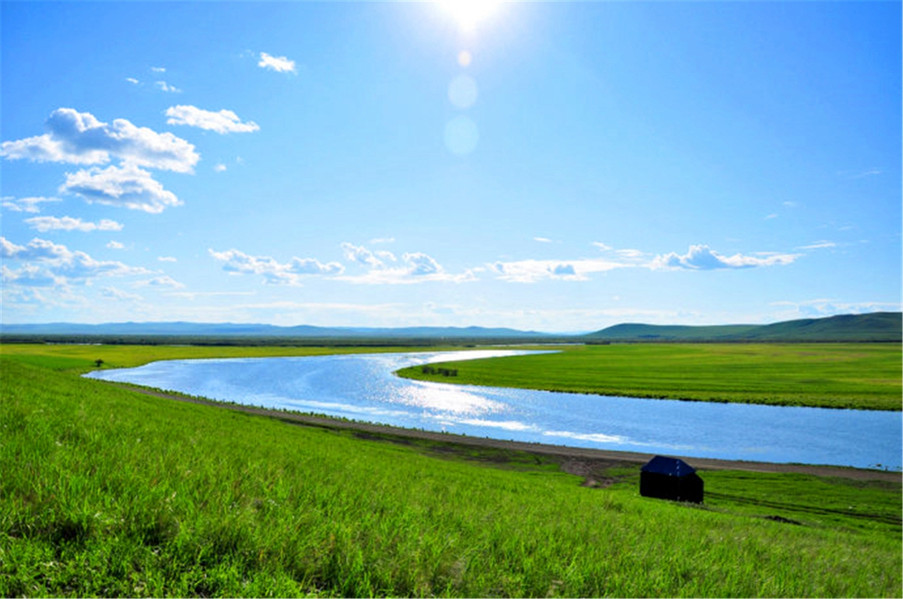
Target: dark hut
[(670, 478)]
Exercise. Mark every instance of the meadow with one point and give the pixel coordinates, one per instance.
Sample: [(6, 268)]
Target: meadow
[(862, 375), (111, 492)]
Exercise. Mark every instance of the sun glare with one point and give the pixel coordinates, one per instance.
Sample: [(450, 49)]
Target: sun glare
[(469, 13)]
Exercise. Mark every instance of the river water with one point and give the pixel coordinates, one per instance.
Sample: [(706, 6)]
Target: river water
[(363, 387)]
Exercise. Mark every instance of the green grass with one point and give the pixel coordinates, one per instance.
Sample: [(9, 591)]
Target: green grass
[(864, 376), (110, 492), (81, 357)]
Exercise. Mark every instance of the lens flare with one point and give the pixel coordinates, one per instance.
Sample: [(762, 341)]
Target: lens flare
[(462, 91)]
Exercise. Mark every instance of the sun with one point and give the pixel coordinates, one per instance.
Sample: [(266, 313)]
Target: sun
[(469, 13)]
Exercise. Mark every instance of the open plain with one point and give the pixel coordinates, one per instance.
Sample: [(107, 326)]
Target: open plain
[(116, 492)]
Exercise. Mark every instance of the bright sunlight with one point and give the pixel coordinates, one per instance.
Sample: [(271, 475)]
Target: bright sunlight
[(469, 13)]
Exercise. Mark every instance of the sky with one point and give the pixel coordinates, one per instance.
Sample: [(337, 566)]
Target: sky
[(547, 166)]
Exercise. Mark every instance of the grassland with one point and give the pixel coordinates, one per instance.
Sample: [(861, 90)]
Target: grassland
[(861, 375), (109, 492)]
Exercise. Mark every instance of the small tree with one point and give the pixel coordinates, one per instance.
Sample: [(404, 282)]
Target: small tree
[(98, 362)]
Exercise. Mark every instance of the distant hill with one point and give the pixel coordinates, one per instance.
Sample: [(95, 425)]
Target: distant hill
[(876, 326), (654, 332), (193, 329)]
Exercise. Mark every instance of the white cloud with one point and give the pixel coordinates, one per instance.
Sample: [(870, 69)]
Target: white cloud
[(309, 266), (817, 245), (120, 295), (542, 239), (361, 255), (45, 263), (47, 148), (627, 254), (224, 121), (166, 259), (68, 223), (29, 205), (220, 168), (280, 64), (630, 254), (700, 257), (416, 267), (163, 86), (8, 249), (818, 308), (31, 275), (161, 281), (419, 264), (274, 272), (132, 80), (860, 174), (158, 69), (78, 138), (193, 295), (129, 187), (115, 245), (532, 271)]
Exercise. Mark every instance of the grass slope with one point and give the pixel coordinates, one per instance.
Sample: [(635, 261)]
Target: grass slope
[(877, 326), (113, 493), (863, 376)]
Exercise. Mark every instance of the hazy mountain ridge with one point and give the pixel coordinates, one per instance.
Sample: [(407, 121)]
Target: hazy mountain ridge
[(255, 330), (876, 326)]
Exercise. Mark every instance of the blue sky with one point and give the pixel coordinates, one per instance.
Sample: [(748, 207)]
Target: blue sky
[(555, 166)]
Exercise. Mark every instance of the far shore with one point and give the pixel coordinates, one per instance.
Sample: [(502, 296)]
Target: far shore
[(576, 460)]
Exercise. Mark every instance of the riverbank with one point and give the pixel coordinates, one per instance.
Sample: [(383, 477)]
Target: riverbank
[(579, 458), (861, 376)]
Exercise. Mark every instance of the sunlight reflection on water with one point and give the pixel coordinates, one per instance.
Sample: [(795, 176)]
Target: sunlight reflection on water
[(363, 387), (446, 399)]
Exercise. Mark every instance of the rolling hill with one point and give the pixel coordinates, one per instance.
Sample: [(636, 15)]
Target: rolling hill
[(875, 326)]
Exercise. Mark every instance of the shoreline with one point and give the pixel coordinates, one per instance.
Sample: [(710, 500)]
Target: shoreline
[(576, 460)]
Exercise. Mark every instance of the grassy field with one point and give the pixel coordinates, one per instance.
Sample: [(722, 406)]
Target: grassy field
[(865, 375), (109, 492), (81, 357)]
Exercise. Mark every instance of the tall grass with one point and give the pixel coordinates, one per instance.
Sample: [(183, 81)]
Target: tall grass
[(109, 492), (861, 375)]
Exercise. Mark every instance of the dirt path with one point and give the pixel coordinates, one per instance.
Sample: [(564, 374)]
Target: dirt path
[(575, 460)]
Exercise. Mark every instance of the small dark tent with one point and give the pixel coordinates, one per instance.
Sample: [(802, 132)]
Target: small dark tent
[(670, 478)]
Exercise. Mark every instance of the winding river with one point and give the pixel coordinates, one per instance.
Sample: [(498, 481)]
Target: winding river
[(363, 387)]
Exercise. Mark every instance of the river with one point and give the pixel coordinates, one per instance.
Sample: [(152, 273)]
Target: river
[(363, 387)]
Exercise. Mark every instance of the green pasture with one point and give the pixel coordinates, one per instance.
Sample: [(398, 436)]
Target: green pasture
[(82, 357), (108, 492), (856, 375)]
